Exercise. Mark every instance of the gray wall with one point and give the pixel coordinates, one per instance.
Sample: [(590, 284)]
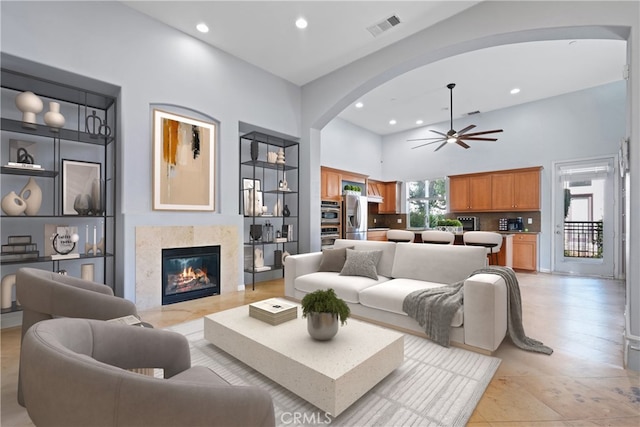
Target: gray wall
[(153, 63)]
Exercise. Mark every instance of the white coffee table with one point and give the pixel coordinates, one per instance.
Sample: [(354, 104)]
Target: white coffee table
[(331, 375)]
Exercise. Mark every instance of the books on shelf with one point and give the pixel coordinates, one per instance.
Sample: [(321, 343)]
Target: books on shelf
[(273, 311), (23, 165), (263, 268)]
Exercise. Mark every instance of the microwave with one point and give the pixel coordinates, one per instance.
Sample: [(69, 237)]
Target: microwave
[(330, 212), (469, 223)]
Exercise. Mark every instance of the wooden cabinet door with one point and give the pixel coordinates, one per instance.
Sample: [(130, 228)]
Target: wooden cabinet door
[(480, 192), (390, 203), (502, 192), (525, 250), (458, 194), (526, 193), (330, 185)]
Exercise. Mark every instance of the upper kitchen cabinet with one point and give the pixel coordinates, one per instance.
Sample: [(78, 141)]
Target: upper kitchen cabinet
[(516, 190), (391, 203), (331, 181), (375, 191), (469, 193), (500, 191)]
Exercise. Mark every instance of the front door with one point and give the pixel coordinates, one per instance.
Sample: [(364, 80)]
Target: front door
[(584, 217)]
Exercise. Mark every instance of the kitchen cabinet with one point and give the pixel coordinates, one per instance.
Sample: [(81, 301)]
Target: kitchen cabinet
[(375, 191), (500, 191), (270, 212), (469, 193), (379, 235), (88, 134), (515, 191), (525, 252), (391, 201), (330, 184)]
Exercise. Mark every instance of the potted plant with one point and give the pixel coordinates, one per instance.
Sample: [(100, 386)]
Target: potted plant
[(323, 309), (452, 225)]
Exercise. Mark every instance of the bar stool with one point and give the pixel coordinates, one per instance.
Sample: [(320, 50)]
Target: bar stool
[(438, 237), (400, 236), (490, 240)]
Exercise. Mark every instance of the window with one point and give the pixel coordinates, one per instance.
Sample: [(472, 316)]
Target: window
[(427, 202)]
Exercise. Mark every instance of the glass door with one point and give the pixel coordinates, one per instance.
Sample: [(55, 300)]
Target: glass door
[(584, 217)]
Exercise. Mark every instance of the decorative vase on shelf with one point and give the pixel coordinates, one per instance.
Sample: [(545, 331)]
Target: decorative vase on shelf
[(255, 150), (30, 105), (82, 204), (53, 118), (280, 157), (31, 194), (8, 285), (285, 211), (13, 205), (255, 232), (97, 202)]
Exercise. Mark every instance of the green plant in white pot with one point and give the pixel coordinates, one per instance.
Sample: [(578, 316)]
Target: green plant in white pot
[(323, 310)]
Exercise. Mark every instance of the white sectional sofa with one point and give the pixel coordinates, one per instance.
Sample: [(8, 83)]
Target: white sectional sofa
[(403, 268)]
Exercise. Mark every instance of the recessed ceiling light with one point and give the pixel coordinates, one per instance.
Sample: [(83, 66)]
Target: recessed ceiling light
[(301, 23), (515, 90), (419, 122), (392, 122), (202, 27), (359, 105)]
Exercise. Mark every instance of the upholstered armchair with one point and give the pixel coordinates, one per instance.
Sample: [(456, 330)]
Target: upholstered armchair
[(75, 373), (45, 295)]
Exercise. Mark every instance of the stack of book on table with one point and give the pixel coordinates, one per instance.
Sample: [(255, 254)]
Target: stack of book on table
[(273, 311)]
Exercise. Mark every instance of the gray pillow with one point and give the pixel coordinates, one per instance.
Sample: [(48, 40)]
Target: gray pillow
[(361, 263), (333, 259)]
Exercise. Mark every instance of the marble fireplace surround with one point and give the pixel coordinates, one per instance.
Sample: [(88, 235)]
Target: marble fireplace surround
[(151, 240)]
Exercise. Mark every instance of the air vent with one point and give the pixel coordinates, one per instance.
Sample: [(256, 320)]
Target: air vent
[(472, 113), (383, 26)]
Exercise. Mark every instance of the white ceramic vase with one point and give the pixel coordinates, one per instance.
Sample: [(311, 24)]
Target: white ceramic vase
[(13, 205), (7, 285), (30, 105), (32, 196), (53, 118)]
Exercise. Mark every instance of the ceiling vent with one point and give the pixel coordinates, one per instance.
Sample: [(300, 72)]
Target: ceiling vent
[(383, 26)]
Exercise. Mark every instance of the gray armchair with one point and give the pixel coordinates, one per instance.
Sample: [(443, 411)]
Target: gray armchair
[(74, 374), (45, 295)]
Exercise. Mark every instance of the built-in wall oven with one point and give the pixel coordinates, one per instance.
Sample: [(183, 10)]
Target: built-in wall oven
[(330, 217)]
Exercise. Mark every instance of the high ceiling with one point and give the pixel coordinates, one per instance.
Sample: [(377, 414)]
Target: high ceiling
[(263, 33)]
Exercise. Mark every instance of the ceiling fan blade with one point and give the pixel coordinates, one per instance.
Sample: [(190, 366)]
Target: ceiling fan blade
[(439, 133), (441, 145), (484, 132), (463, 131), (474, 138), (426, 143), (462, 144), (425, 139)]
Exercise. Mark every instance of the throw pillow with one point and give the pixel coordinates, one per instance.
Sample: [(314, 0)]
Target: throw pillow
[(333, 259), (361, 263)]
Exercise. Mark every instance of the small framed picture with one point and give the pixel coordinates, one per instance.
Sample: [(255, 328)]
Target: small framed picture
[(77, 181)]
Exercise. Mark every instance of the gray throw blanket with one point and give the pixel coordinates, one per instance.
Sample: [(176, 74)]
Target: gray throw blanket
[(434, 309)]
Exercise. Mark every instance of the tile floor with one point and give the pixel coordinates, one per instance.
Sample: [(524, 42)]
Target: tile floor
[(581, 384)]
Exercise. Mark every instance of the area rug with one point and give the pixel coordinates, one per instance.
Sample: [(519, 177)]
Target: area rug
[(435, 386)]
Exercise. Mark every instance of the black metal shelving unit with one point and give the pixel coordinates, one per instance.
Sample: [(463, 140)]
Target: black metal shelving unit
[(257, 169)]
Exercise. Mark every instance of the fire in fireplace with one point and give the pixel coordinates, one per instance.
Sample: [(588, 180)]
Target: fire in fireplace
[(190, 273)]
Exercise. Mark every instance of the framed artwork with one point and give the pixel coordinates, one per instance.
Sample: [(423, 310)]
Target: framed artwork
[(77, 181), (183, 163), (251, 199)]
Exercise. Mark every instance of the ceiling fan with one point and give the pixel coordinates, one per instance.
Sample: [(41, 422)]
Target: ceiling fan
[(459, 137)]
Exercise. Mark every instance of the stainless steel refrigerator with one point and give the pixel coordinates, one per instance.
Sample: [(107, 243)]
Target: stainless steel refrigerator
[(354, 217)]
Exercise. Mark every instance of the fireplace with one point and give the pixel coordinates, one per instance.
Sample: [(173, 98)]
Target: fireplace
[(189, 273)]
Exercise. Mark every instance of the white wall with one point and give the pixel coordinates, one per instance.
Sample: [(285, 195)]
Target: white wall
[(153, 63), (577, 125), (349, 147)]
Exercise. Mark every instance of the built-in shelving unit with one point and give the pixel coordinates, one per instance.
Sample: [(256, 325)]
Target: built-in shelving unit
[(269, 202), (80, 141)]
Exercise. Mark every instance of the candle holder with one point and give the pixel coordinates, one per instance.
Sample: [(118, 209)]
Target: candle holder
[(94, 248)]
